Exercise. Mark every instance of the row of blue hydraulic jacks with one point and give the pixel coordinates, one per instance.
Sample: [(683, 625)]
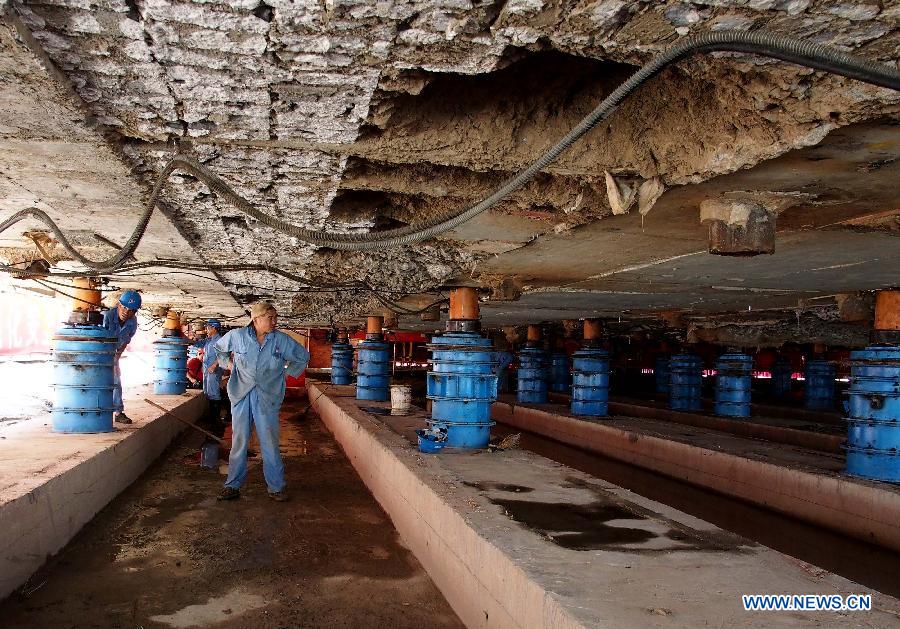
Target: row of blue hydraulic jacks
[(462, 384), (462, 387), (873, 421)]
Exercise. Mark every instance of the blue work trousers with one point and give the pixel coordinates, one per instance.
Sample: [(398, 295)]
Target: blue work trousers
[(211, 386), (117, 387), (244, 416)]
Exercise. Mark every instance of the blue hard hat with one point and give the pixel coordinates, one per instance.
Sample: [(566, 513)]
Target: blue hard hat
[(214, 323), (131, 299)]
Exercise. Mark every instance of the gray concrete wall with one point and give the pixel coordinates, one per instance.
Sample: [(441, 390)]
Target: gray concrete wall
[(51, 485)]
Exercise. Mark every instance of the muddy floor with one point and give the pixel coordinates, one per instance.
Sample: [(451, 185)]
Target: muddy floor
[(165, 553)]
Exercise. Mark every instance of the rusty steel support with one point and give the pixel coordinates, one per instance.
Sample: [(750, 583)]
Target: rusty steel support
[(172, 324), (887, 317), (465, 315), (593, 329), (464, 304), (85, 302), (374, 325), (86, 294), (535, 335)]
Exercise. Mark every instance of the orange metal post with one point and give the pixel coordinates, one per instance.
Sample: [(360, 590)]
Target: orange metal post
[(887, 310), (86, 296), (173, 321), (593, 328), (464, 304), (534, 333), (374, 325)]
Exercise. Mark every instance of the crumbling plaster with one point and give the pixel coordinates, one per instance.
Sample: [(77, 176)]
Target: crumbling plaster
[(279, 97)]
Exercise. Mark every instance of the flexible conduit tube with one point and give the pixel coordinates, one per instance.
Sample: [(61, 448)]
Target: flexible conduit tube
[(782, 47)]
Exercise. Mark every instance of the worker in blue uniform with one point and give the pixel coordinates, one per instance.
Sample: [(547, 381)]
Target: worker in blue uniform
[(212, 376), (259, 357), (121, 320)]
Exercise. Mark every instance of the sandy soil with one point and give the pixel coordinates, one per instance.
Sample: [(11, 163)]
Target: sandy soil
[(165, 553)]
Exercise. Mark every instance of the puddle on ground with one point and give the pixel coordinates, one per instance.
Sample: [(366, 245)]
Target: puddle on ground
[(577, 526), (491, 486), (215, 610), (602, 525), (375, 410)]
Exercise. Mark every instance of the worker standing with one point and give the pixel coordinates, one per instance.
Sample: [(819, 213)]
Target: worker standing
[(122, 322), (212, 375), (259, 356)]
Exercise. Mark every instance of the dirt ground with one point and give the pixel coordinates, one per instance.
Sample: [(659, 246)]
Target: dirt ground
[(165, 553)]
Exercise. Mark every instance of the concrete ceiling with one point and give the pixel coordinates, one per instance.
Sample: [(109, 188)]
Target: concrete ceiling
[(357, 115)]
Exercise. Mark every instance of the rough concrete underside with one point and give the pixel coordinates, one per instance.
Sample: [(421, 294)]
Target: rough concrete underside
[(352, 116)]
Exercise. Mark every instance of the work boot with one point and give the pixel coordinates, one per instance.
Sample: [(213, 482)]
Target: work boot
[(229, 493), (278, 496), (122, 418)]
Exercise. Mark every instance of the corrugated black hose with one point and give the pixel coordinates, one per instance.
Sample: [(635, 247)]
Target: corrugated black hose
[(782, 47)]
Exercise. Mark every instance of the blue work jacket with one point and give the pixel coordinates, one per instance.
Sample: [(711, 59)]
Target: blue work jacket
[(211, 381), (262, 367), (125, 331)]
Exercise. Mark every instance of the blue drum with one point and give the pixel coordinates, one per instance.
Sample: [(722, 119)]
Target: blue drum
[(782, 374), (462, 386), (733, 379), (819, 385), (170, 365), (373, 380), (341, 363), (590, 382), (873, 435), (685, 382), (83, 358), (559, 372), (532, 384)]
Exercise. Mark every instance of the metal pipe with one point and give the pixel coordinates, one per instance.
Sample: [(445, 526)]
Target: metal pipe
[(593, 329), (887, 310), (374, 325), (464, 304), (86, 295)]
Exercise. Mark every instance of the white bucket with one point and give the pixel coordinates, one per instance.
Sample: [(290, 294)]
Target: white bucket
[(401, 398)]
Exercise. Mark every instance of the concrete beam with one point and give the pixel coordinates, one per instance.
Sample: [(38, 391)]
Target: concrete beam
[(52, 484), (768, 429), (781, 478), (497, 533), (465, 567)]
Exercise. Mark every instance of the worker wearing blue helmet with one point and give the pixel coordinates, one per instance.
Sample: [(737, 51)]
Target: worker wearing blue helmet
[(212, 375), (121, 320)]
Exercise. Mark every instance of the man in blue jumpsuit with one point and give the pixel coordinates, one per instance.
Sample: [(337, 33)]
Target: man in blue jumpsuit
[(212, 375), (121, 320), (259, 357)]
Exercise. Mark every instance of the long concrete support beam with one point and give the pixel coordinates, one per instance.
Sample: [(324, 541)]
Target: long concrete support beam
[(51, 484), (742, 427), (865, 510), (481, 583)]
